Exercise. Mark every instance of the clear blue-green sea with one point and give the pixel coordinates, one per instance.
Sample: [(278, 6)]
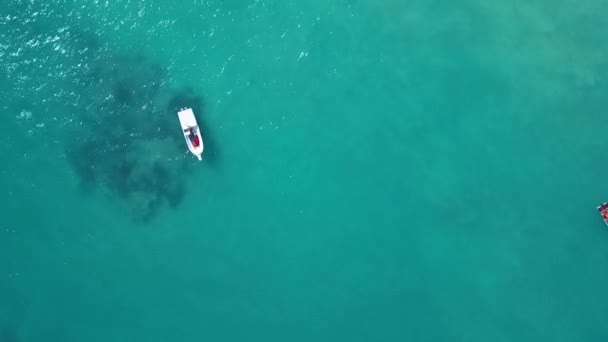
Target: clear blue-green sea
[(373, 171)]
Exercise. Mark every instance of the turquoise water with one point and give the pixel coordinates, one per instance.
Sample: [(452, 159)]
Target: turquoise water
[(374, 171)]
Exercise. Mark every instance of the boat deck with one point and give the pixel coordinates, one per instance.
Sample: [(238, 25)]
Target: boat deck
[(186, 118)]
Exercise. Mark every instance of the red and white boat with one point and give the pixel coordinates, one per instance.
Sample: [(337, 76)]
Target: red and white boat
[(192, 132)]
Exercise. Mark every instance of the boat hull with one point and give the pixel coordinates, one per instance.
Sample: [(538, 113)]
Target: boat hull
[(191, 132)]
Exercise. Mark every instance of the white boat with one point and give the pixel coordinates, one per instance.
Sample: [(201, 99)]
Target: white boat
[(192, 132)]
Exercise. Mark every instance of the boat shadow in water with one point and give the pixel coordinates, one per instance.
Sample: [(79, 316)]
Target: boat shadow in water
[(188, 98)]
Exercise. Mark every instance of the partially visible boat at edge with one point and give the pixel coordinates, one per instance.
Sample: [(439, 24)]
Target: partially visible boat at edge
[(603, 209), (191, 131)]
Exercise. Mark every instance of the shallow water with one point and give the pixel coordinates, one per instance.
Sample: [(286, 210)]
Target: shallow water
[(373, 171)]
